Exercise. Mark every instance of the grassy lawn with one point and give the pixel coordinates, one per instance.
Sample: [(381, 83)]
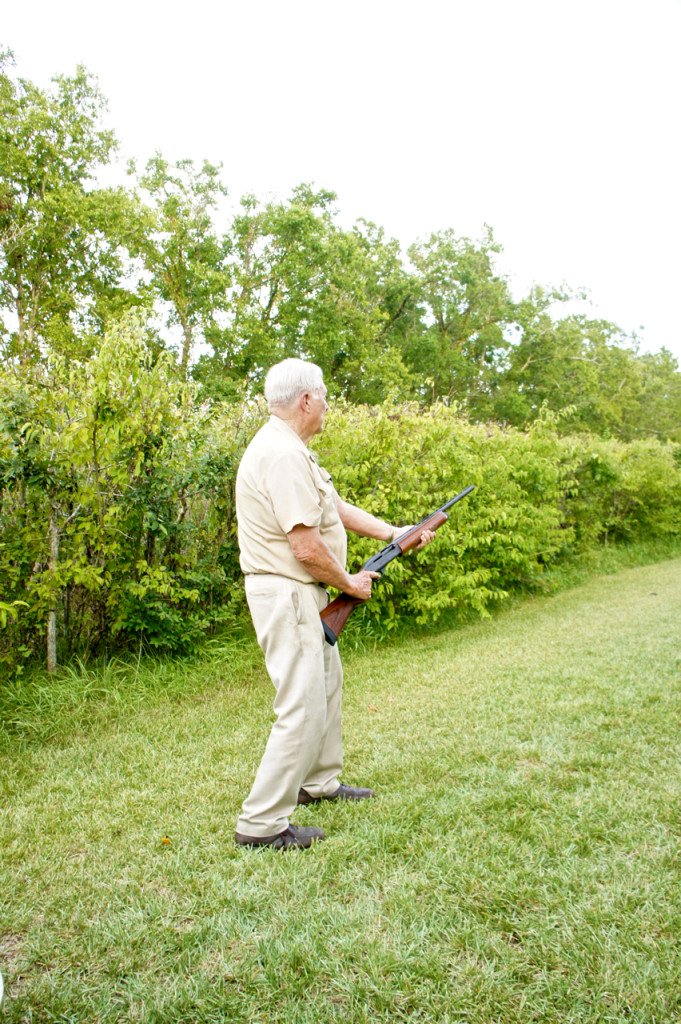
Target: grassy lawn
[(521, 862)]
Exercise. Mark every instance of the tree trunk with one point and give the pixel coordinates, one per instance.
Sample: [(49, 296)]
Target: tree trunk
[(187, 340), (52, 613)]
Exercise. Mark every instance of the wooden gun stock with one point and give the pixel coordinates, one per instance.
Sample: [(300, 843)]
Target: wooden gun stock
[(336, 614)]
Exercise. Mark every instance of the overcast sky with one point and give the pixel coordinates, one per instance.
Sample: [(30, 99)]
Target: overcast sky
[(555, 122)]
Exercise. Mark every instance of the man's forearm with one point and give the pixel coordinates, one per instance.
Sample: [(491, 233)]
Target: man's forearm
[(311, 551), (363, 523)]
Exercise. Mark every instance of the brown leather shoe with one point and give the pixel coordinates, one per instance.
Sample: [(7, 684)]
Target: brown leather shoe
[(293, 837), (342, 793)]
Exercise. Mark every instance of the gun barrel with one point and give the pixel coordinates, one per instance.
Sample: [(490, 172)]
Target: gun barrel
[(453, 501)]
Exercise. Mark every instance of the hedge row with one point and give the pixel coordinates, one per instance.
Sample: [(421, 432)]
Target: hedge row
[(539, 498), (117, 511)]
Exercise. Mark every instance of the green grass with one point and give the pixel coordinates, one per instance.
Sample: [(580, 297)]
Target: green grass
[(521, 862)]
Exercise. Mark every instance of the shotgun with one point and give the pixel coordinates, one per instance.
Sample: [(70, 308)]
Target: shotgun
[(337, 613)]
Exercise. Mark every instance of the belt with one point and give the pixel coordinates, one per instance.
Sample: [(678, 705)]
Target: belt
[(312, 583)]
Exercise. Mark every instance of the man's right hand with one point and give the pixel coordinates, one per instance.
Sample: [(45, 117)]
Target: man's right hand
[(360, 584)]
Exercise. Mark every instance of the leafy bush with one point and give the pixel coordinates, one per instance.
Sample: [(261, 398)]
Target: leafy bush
[(117, 516), (401, 463), (116, 505), (623, 491)]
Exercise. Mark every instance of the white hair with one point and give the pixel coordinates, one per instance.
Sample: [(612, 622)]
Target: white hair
[(286, 380)]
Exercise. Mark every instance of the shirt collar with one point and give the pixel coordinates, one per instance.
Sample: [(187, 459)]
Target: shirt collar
[(282, 426)]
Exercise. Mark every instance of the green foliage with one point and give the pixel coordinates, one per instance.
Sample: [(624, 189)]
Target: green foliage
[(136, 481), (403, 463), (115, 456), (436, 324), (540, 499), (623, 491), (588, 366), (180, 250), (469, 310), (61, 265), (118, 454), (302, 286), (114, 460)]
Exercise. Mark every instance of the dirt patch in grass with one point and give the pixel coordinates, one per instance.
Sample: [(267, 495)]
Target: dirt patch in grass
[(11, 955)]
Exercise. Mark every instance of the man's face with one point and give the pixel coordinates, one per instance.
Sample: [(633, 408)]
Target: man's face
[(318, 408)]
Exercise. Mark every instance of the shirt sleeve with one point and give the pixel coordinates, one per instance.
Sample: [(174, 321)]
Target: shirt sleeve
[(291, 489)]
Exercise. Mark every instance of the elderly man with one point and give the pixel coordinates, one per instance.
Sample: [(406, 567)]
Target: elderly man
[(293, 544)]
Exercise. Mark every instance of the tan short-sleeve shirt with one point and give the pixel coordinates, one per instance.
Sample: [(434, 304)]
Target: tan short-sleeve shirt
[(278, 486)]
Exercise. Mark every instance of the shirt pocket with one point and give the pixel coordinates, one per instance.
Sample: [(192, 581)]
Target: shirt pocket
[(327, 495)]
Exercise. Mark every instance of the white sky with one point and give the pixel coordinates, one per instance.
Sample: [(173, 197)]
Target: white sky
[(555, 122)]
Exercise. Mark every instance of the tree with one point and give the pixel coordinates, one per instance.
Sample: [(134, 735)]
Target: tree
[(181, 250), (659, 411), (546, 365), (302, 286), (61, 260), (468, 312), (590, 367)]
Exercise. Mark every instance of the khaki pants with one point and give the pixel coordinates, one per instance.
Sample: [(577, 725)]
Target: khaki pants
[(304, 747)]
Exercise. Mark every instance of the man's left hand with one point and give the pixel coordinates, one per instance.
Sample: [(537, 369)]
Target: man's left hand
[(426, 537)]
